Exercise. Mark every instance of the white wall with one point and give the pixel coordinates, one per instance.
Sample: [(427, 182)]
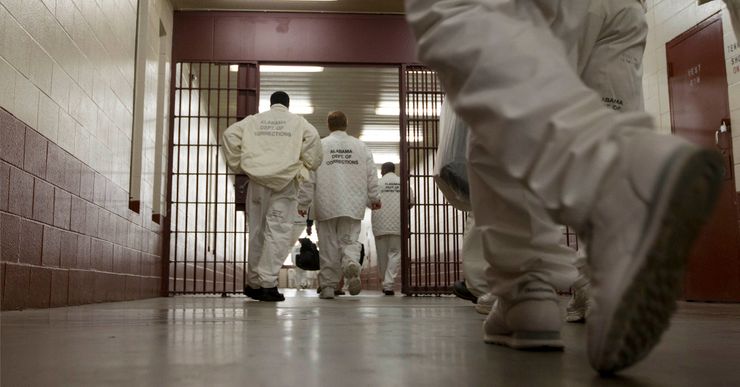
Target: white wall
[(666, 20)]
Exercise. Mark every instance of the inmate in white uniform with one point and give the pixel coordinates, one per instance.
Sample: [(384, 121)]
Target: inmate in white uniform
[(535, 122), (345, 184), (275, 149), (387, 228), (613, 70)]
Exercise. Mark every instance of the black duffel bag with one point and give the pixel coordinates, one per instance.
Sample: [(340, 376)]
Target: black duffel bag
[(308, 258)]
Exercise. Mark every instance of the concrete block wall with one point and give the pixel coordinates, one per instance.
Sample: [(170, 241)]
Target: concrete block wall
[(67, 236)]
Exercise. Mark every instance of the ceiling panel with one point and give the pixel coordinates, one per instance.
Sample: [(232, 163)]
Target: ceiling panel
[(340, 6)]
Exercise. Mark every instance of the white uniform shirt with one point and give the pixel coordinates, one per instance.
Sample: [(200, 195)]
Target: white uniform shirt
[(387, 220), (346, 182), (273, 147)]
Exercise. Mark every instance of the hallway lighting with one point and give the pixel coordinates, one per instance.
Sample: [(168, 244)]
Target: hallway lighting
[(393, 109), (388, 108), (290, 69), (295, 108), (379, 133), (381, 158)]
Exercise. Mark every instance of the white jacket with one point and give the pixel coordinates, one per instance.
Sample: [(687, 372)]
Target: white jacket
[(345, 182), (387, 220), (273, 147)]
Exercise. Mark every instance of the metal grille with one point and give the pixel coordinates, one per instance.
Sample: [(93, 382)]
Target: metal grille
[(208, 237), (433, 243)]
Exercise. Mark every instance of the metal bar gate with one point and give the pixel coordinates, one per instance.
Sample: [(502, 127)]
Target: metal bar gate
[(432, 243), (208, 237)]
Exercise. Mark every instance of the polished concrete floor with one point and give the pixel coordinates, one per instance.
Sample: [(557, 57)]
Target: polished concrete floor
[(368, 340)]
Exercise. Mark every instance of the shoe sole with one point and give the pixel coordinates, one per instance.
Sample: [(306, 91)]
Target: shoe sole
[(528, 341), (484, 310), (646, 306), (352, 276)]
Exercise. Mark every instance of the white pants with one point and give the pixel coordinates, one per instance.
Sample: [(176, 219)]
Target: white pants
[(473, 260), (541, 138), (270, 216), (389, 258), (338, 246)]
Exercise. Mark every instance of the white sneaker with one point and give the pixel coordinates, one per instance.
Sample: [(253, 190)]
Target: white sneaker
[(327, 293), (529, 320), (485, 303), (577, 308), (352, 278), (639, 232)]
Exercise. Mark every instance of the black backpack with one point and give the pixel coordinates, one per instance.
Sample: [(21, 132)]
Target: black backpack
[(308, 258)]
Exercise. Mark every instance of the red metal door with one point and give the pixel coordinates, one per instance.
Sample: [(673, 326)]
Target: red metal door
[(697, 83)]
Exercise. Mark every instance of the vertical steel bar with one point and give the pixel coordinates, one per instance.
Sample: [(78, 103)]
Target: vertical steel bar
[(428, 102), (420, 257), (405, 209), (197, 179), (191, 80), (216, 89), (206, 201), (167, 253), (430, 200), (218, 143)]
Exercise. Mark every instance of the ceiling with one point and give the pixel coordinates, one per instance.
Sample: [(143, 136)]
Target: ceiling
[(356, 91), (339, 6)]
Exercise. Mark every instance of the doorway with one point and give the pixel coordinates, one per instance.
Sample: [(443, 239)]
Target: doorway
[(698, 93), (369, 97)]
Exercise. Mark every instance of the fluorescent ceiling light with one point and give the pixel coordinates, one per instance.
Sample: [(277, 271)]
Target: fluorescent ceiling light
[(375, 135), (393, 109), (381, 158), (385, 134), (295, 107), (388, 108), (290, 69)]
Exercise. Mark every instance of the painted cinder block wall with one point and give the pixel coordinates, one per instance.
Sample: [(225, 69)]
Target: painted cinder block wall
[(67, 235)]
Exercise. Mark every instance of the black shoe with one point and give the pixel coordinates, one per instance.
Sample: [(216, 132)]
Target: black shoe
[(339, 292), (389, 292), (271, 295), (459, 289), (252, 292)]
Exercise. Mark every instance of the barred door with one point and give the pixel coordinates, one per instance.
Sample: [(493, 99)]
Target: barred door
[(432, 243), (208, 237)]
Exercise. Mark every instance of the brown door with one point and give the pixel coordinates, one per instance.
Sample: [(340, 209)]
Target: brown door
[(697, 84)]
